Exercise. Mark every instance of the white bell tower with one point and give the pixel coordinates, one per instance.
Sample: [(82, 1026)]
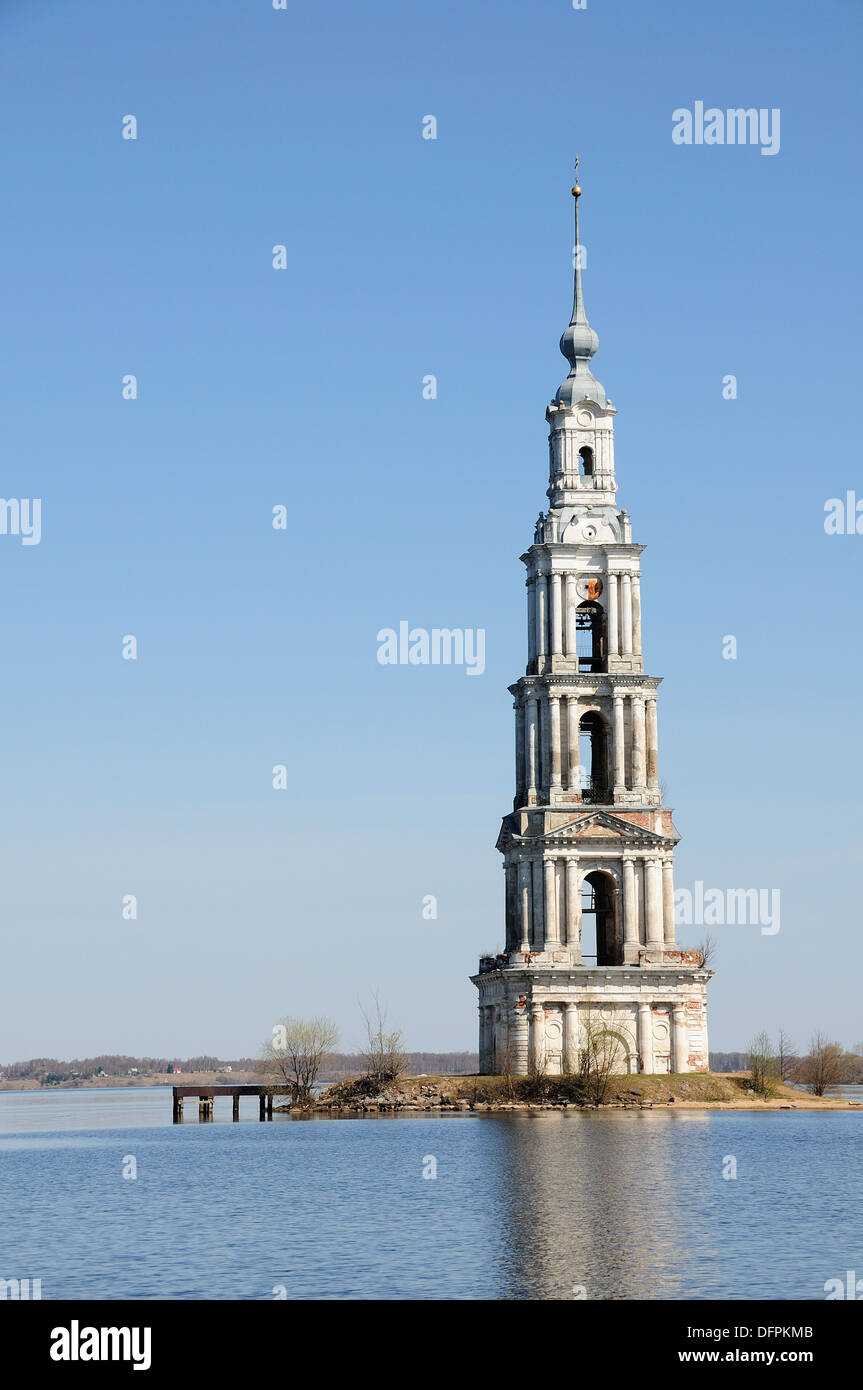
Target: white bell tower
[(588, 847)]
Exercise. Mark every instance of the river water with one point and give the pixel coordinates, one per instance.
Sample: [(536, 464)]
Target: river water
[(539, 1205)]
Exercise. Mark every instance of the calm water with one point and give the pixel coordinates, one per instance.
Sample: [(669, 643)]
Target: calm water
[(626, 1204)]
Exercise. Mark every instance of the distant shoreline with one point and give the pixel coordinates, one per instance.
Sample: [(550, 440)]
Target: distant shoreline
[(460, 1094), (108, 1083)]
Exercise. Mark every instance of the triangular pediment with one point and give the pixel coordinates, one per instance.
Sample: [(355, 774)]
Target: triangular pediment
[(600, 824), (595, 825)]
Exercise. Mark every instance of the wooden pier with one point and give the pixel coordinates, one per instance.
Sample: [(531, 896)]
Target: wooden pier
[(206, 1096)]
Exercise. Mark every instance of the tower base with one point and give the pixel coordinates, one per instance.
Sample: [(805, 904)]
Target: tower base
[(539, 1019)]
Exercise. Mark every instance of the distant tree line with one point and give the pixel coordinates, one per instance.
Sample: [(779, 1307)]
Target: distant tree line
[(337, 1066), (340, 1065), (113, 1064), (729, 1061), (846, 1068)]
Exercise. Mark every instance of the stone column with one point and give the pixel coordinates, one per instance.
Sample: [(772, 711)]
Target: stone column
[(573, 906), (573, 758), (541, 621), (668, 901), (626, 614), (570, 1037), (489, 1039), (538, 930), (630, 916), (652, 903), (532, 748), (636, 705), (524, 904), (545, 743), (556, 617), (520, 1037), (520, 751), (554, 737), (500, 1038), (531, 623), (571, 605), (483, 1040), (613, 634), (680, 1040), (537, 1037), (511, 909), (636, 614), (619, 748), (551, 934), (652, 741), (645, 1038)]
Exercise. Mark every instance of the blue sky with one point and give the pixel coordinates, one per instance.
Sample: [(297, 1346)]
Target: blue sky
[(303, 388)]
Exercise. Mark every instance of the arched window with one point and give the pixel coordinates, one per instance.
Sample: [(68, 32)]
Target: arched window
[(600, 937), (593, 759), (590, 636), (585, 461)]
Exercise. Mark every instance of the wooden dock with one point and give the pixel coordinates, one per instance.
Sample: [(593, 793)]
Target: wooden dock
[(206, 1096)]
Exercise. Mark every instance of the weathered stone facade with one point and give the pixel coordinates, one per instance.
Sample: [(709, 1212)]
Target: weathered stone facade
[(589, 847)]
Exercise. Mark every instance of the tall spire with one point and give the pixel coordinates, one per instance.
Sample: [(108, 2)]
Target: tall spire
[(579, 342)]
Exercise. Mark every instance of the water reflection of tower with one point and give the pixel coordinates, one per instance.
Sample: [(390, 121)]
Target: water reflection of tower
[(594, 1200)]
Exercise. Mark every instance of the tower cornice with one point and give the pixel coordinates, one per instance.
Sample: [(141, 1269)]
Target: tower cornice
[(581, 549), (604, 683)]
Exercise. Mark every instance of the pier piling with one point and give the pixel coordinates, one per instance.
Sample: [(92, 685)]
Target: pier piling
[(206, 1097)]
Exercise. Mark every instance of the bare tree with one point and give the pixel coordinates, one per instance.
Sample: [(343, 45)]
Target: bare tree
[(822, 1069), (295, 1053), (706, 950), (786, 1058), (597, 1057), (763, 1066), (384, 1054), (537, 1070)]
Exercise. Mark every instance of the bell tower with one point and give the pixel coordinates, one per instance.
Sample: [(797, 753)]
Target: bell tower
[(588, 848)]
